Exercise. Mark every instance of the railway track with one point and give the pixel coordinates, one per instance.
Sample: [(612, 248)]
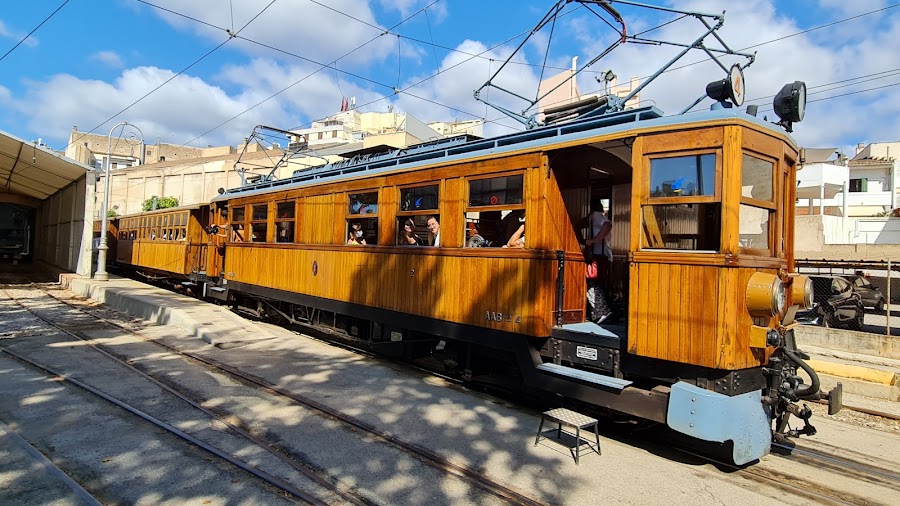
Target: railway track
[(473, 476)]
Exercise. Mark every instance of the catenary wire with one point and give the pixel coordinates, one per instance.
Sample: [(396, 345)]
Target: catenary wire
[(34, 30)]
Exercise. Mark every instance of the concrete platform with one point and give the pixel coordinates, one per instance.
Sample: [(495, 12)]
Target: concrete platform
[(868, 374), (216, 325)]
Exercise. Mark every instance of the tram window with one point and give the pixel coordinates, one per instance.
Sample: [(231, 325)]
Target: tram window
[(496, 191), (258, 224), (494, 228), (694, 227), (417, 204), (238, 215), (413, 230), (754, 227), (362, 231), (362, 219), (419, 198), (683, 176), (284, 221), (757, 178)]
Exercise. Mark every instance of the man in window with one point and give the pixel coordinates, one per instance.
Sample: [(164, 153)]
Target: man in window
[(435, 228)]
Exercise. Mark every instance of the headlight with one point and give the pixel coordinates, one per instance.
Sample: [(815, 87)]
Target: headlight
[(765, 295), (802, 292)]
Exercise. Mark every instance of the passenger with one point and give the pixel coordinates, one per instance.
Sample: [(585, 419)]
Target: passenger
[(435, 228), (356, 235), (517, 239), (513, 227), (474, 240), (408, 235), (598, 252)]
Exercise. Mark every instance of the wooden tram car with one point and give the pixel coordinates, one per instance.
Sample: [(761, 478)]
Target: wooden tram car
[(400, 252), (699, 273)]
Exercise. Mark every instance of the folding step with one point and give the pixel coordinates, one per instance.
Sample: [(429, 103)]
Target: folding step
[(589, 377)]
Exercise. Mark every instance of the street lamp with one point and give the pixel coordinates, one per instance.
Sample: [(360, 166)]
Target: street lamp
[(133, 138)]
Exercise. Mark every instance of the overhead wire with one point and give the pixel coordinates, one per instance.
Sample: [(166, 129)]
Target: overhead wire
[(231, 35), (34, 30), (478, 55)]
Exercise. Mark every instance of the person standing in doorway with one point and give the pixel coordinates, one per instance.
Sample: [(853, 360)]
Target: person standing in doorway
[(598, 251)]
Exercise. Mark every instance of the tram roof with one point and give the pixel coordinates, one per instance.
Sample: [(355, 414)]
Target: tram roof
[(460, 149)]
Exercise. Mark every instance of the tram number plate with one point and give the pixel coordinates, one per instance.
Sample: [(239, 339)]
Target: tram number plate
[(396, 336), (586, 353)]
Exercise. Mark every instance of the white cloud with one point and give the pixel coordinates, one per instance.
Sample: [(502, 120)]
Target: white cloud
[(178, 112), (5, 32), (436, 12), (108, 58)]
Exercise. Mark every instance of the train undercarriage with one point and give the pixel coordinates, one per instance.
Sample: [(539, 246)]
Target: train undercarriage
[(743, 411)]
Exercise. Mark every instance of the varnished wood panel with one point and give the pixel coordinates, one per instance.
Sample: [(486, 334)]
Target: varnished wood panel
[(692, 314), (701, 138), (452, 211), (462, 290), (732, 175), (318, 216), (166, 256)]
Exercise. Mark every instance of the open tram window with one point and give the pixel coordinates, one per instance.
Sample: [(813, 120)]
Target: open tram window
[(362, 219), (682, 209), (284, 221), (238, 218), (259, 225), (757, 204), (495, 216), (417, 205)]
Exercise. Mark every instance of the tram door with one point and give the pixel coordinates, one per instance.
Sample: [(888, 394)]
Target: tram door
[(218, 236)]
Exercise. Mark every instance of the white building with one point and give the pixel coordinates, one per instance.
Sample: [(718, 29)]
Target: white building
[(844, 201)]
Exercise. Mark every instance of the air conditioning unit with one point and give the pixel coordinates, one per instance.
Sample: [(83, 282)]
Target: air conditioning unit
[(297, 146)]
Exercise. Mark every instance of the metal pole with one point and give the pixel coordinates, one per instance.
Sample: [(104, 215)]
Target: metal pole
[(887, 312), (101, 274)]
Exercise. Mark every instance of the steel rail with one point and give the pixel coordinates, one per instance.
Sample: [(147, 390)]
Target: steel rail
[(262, 475), (426, 455), (323, 480), (9, 433)]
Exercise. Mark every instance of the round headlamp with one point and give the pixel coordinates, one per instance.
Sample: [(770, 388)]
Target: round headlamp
[(766, 295), (802, 292)]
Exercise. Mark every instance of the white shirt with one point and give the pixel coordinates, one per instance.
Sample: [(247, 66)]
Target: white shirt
[(437, 239), (603, 247)]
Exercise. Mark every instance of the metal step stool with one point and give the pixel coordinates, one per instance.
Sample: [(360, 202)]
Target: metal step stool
[(569, 418)]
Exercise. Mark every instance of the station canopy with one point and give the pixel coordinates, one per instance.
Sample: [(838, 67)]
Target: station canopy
[(34, 171)]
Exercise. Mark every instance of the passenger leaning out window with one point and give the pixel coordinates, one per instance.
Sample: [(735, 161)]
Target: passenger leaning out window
[(355, 236)]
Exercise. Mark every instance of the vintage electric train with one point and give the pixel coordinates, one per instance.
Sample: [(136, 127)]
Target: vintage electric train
[(702, 272), (401, 253)]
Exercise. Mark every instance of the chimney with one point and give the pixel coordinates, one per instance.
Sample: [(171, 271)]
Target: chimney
[(860, 147)]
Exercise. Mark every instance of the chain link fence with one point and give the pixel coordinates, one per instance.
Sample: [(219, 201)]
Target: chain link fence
[(854, 295)]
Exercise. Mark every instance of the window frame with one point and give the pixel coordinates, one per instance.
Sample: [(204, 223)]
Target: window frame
[(770, 206), (252, 220), (401, 215), (492, 208), (350, 217), (714, 199), (292, 219)]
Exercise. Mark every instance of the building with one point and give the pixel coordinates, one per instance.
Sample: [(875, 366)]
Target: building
[(371, 129), (90, 149), (846, 207), (562, 89)]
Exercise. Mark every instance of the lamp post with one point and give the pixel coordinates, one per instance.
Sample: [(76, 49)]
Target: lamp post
[(132, 138)]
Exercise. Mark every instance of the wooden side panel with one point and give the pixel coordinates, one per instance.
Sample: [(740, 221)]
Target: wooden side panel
[(318, 215), (388, 199), (167, 256), (673, 312), (452, 208), (506, 293), (731, 190)]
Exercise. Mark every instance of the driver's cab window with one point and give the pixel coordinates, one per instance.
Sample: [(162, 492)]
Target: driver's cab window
[(682, 209)]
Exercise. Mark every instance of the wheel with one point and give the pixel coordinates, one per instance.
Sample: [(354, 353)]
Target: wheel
[(879, 306)]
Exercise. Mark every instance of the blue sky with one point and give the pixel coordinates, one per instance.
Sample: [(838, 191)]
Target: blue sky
[(94, 58)]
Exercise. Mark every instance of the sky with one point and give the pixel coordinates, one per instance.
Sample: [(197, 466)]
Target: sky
[(205, 72)]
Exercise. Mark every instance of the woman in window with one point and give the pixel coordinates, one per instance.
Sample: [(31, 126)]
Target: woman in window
[(408, 235), (355, 237)]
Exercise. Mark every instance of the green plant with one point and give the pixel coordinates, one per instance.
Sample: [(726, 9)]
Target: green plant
[(155, 202), (112, 214)]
